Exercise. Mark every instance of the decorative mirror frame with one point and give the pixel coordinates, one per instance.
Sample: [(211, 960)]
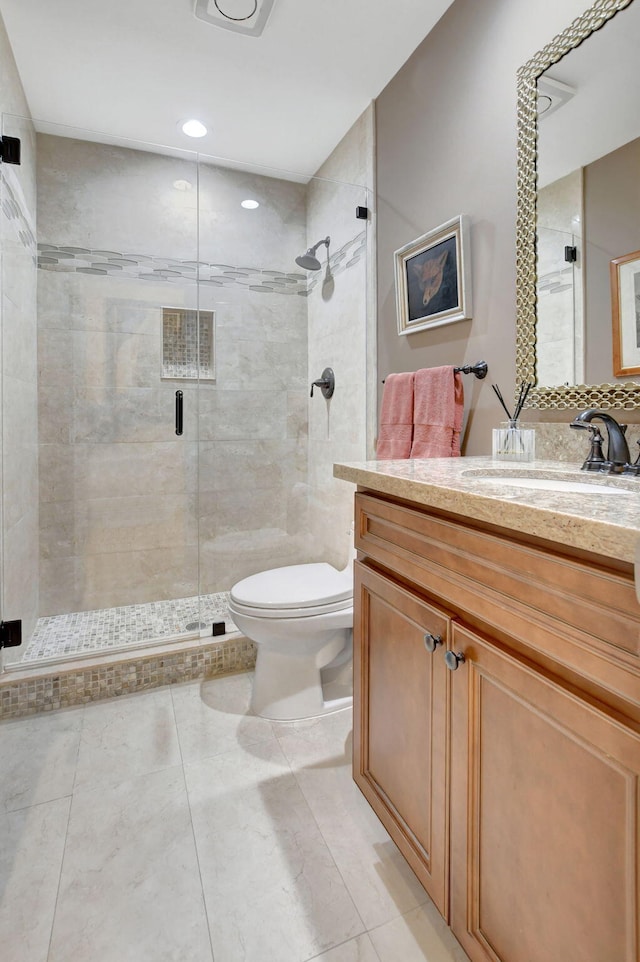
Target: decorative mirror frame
[(624, 395)]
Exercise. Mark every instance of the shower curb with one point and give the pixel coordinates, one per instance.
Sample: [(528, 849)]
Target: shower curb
[(31, 691)]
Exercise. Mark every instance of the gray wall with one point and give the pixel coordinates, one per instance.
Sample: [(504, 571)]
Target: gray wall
[(446, 144), (18, 363)]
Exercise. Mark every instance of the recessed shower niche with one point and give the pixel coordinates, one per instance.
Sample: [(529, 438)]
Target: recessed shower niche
[(188, 344)]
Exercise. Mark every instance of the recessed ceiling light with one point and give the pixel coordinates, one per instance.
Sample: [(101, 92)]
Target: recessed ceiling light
[(193, 128), (182, 184), (249, 204)]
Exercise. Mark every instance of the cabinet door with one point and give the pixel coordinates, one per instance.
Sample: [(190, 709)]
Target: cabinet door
[(400, 722), (545, 816)]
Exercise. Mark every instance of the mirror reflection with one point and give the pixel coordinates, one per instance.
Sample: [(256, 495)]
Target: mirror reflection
[(588, 208)]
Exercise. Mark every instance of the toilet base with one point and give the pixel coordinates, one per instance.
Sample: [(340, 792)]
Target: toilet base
[(288, 688)]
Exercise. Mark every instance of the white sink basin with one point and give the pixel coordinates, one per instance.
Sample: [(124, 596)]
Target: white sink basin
[(567, 486)]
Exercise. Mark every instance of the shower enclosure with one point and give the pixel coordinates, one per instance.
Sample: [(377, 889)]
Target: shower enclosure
[(560, 321), (158, 343)]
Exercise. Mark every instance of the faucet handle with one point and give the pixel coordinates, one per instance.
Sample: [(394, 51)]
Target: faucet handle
[(633, 469), (596, 458)]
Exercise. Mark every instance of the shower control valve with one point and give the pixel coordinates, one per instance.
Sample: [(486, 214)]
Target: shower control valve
[(326, 383)]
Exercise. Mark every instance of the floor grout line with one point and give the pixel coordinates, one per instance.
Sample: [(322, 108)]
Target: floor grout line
[(193, 830), (329, 850), (62, 860)]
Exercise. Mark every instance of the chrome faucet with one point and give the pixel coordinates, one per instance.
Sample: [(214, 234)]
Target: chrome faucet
[(618, 456)]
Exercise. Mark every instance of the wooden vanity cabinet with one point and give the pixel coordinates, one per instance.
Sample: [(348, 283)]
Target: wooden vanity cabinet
[(509, 782), (401, 722)]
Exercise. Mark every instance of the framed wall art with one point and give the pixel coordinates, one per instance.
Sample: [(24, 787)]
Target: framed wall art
[(433, 278), (625, 312)]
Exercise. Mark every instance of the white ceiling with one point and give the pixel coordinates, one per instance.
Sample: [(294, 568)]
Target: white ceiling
[(134, 68), (603, 114)]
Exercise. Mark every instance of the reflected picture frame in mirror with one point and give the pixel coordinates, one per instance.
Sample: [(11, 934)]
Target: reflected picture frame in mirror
[(625, 294), (624, 394)]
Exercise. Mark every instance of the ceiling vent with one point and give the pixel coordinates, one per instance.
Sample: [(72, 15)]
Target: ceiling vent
[(242, 16), (552, 94)]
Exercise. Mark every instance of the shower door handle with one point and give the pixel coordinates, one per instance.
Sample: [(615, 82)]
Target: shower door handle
[(179, 402)]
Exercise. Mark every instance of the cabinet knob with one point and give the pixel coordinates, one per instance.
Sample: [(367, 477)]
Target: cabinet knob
[(453, 659), (431, 642)]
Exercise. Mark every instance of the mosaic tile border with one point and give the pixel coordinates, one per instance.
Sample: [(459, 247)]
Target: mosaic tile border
[(555, 282), (148, 267), (75, 686), (16, 213), (345, 257)]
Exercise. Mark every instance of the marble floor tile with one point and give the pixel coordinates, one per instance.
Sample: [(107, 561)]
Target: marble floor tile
[(419, 936), (359, 949), (272, 889), (130, 887), (379, 880), (31, 846), (213, 717), (38, 758), (195, 832), (326, 740), (127, 736)]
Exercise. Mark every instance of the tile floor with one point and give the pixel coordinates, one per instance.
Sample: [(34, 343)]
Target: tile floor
[(173, 825)]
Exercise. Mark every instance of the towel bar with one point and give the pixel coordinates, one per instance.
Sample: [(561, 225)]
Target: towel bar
[(479, 370)]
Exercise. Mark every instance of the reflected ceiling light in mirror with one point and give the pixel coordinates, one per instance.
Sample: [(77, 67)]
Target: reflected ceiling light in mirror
[(249, 204), (193, 128), (552, 94), (182, 184), (544, 103)]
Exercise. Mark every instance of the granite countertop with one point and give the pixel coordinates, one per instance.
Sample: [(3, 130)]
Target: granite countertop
[(607, 524)]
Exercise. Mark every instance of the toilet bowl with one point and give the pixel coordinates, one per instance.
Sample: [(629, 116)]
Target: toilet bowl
[(300, 618)]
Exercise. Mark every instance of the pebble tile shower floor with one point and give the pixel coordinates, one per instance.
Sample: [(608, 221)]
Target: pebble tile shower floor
[(173, 824), (85, 631)]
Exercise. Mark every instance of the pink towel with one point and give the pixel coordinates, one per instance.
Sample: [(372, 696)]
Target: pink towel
[(396, 417), (437, 413)]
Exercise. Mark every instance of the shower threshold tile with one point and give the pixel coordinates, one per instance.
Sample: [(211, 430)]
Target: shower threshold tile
[(80, 632)]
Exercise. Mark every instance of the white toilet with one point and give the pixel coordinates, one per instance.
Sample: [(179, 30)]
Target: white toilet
[(301, 619)]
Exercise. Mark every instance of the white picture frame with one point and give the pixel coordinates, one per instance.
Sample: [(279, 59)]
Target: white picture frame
[(433, 278)]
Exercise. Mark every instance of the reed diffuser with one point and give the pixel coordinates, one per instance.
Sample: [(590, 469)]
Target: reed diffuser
[(511, 442)]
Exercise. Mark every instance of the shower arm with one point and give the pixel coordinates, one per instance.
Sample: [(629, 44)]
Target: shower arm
[(325, 240)]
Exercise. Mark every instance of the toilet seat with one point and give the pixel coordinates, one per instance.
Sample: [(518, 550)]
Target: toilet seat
[(295, 591)]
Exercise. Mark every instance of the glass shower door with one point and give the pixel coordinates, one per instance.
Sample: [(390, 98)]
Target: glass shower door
[(559, 315), (19, 535), (267, 493), (113, 541)]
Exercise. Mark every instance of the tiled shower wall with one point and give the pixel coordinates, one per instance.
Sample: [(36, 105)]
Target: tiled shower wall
[(559, 328), (18, 360), (120, 494), (338, 335)]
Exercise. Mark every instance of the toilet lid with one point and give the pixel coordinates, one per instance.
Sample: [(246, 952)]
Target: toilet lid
[(296, 586)]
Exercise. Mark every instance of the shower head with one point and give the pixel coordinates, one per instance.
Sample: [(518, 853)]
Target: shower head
[(308, 260)]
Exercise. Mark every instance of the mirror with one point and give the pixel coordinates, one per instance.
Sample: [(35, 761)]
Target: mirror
[(579, 210)]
